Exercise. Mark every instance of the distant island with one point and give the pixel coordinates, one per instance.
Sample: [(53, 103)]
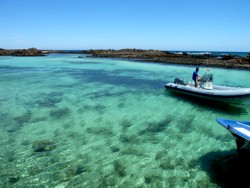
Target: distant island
[(226, 61)]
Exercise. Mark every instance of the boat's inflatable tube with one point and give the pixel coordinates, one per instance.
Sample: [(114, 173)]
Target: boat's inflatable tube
[(220, 93), (240, 128), (241, 132)]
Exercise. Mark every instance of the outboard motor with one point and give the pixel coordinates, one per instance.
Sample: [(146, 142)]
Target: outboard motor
[(179, 81), (207, 81)]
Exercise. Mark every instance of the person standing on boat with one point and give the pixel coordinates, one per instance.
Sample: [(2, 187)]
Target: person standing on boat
[(196, 77)]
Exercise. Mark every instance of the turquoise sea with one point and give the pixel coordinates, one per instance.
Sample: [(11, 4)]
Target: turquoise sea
[(96, 122)]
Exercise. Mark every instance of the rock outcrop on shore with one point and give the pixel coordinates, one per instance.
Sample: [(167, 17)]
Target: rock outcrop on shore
[(21, 52), (228, 61)]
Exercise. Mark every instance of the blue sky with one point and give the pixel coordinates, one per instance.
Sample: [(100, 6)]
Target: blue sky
[(208, 25)]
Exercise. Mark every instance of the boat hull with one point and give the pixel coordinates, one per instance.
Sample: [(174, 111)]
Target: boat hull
[(239, 128), (218, 93)]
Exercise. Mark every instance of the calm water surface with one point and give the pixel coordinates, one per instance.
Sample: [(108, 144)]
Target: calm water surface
[(90, 122)]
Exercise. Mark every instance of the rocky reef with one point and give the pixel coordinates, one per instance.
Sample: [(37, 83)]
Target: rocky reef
[(228, 61), (21, 52)]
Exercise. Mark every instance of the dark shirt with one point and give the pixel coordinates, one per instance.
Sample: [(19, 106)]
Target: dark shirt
[(195, 75)]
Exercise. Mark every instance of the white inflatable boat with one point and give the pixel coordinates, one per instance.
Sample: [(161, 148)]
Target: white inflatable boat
[(207, 90)]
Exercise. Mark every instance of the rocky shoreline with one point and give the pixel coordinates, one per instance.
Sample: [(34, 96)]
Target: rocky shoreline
[(21, 52), (226, 61)]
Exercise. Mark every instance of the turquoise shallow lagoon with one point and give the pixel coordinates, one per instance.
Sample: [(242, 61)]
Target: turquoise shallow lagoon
[(108, 123)]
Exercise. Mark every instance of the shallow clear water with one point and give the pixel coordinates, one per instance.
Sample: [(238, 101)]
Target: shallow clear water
[(108, 123)]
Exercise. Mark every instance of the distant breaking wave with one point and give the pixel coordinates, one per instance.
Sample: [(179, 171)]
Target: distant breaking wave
[(240, 54)]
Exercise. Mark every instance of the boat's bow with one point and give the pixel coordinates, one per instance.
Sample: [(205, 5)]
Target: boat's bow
[(241, 131), (240, 128)]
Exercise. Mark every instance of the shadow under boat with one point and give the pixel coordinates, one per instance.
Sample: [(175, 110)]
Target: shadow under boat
[(226, 168), (217, 106), (230, 168)]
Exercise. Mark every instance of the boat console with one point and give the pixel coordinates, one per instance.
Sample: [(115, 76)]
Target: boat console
[(206, 81)]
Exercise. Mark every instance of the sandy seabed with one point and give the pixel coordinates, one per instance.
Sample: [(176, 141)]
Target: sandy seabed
[(95, 122)]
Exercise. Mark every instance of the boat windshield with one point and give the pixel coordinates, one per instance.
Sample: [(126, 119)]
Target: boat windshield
[(207, 77)]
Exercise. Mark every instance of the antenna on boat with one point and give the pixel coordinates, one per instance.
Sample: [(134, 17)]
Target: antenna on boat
[(207, 69), (207, 64)]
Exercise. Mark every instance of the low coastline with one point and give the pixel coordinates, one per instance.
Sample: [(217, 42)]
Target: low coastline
[(21, 52), (225, 61)]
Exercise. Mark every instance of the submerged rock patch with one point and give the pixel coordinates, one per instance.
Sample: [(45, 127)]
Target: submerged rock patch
[(59, 113), (43, 145), (119, 168), (126, 124), (155, 127), (26, 117)]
